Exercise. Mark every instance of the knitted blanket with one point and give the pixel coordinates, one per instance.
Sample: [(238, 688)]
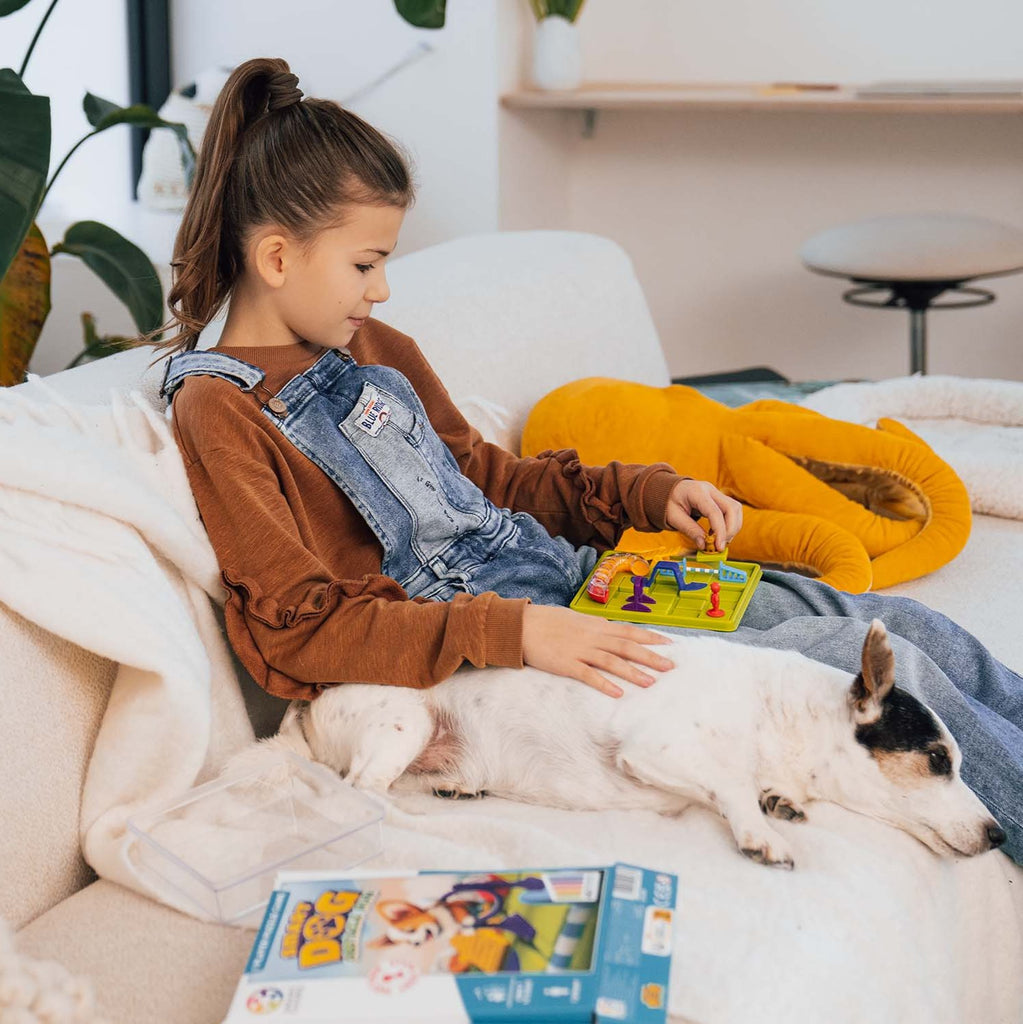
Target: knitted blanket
[(976, 426), (101, 544)]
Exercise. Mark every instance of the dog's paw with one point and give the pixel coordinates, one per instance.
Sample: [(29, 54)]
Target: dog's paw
[(781, 807), (773, 852)]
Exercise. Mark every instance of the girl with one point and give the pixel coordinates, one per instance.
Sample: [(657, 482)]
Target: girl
[(365, 532)]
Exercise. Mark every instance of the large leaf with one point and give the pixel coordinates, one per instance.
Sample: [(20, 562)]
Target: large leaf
[(10, 6), (24, 306), (422, 13), (122, 265), (24, 161), (97, 346), (103, 114)]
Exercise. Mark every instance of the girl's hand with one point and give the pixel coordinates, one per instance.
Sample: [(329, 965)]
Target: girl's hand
[(690, 499), (570, 643)]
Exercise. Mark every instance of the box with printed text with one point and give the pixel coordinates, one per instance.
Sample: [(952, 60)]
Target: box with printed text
[(547, 944)]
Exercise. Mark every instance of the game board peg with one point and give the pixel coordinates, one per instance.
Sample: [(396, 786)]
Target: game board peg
[(639, 601), (715, 611)]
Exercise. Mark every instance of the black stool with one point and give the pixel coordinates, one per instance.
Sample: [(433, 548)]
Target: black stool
[(907, 262)]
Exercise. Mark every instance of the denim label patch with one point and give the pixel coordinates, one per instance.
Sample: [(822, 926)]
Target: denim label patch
[(374, 414)]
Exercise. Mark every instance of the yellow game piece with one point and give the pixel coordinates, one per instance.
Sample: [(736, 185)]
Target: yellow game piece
[(483, 949)]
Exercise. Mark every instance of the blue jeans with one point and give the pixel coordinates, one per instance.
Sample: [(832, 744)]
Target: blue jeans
[(974, 694)]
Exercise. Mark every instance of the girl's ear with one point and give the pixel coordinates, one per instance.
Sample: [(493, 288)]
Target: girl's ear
[(271, 256)]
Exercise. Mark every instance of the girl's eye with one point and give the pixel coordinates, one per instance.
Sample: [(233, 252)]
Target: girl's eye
[(363, 267)]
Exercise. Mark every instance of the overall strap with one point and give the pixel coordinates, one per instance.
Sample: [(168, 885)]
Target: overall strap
[(215, 364)]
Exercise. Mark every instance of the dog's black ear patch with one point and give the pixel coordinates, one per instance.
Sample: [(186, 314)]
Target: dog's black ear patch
[(905, 724), (858, 692)]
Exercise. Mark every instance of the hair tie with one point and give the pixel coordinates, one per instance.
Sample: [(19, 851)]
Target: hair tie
[(283, 90)]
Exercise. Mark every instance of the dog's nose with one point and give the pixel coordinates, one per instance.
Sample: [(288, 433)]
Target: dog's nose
[(995, 836)]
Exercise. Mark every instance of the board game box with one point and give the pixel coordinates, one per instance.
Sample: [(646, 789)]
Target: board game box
[(545, 945)]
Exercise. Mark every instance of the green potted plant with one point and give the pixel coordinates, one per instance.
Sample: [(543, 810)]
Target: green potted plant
[(557, 57), (24, 254)]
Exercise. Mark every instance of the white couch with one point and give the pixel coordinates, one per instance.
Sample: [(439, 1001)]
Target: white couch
[(871, 926)]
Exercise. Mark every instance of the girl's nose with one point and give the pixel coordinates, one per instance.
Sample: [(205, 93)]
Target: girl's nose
[(378, 290)]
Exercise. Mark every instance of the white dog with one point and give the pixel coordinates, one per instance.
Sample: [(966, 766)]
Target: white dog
[(747, 731)]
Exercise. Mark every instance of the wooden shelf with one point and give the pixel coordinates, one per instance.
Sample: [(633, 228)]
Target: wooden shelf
[(752, 97)]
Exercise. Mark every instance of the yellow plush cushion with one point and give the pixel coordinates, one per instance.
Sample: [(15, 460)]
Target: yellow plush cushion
[(858, 507)]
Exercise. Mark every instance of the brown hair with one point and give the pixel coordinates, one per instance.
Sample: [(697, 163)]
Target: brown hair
[(269, 157)]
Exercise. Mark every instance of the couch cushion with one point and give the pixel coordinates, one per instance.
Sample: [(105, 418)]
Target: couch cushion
[(146, 962), (54, 694), (505, 317)]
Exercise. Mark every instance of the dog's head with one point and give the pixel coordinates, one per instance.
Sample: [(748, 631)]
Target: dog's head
[(903, 764), (410, 925)]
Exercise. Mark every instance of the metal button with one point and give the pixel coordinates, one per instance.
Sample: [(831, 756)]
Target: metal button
[(277, 407)]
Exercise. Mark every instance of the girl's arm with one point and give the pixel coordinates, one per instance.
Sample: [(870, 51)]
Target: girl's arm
[(295, 626), (584, 504)]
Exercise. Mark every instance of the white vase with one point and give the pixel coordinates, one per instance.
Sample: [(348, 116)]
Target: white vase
[(557, 58)]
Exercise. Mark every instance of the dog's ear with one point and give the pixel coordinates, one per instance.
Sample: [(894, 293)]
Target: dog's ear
[(396, 911), (876, 677)]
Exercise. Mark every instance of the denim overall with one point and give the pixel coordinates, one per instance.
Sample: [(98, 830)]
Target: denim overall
[(366, 428)]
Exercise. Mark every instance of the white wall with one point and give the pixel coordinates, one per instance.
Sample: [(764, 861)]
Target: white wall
[(442, 107), (801, 40), (713, 207), (97, 179)]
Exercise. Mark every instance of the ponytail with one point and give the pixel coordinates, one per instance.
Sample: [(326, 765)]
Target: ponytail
[(268, 156)]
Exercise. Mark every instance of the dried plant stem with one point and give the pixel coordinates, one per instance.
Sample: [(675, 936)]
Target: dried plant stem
[(568, 9)]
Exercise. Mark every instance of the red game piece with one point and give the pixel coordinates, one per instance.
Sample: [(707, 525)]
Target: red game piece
[(715, 611)]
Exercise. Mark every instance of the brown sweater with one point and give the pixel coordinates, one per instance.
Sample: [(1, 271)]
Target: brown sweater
[(307, 605)]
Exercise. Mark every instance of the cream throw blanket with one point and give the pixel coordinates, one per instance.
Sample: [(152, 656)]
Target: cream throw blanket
[(976, 426), (100, 542)]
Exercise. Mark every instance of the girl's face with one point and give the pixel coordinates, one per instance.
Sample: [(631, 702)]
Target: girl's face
[(333, 288)]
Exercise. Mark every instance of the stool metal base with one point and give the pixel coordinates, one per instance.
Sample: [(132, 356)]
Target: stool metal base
[(917, 297)]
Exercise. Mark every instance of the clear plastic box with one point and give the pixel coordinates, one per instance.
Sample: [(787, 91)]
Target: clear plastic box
[(221, 844)]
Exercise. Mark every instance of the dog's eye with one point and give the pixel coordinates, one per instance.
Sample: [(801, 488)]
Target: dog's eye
[(939, 762)]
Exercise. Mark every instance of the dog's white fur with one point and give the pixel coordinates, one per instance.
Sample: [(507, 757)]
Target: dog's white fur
[(747, 731)]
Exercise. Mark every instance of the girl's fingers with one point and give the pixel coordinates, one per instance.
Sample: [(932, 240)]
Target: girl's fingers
[(716, 521), (733, 516), (591, 677), (692, 529), (621, 667), (638, 634), (627, 651)]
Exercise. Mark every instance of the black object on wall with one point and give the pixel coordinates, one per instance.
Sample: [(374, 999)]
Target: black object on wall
[(149, 74)]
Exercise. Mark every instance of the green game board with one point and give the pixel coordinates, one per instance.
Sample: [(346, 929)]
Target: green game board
[(673, 607)]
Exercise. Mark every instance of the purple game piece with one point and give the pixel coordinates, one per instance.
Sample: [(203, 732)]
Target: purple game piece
[(639, 601)]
